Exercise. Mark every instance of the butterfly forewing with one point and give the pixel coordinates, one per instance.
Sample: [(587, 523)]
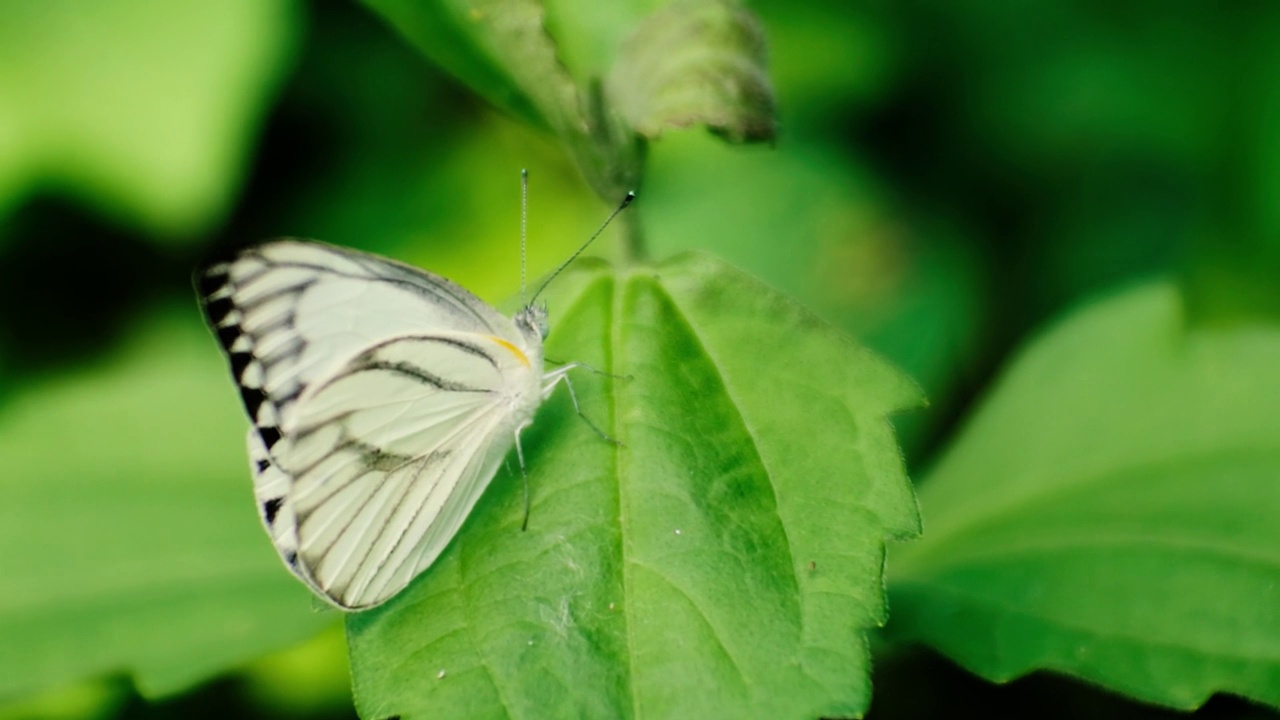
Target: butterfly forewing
[(383, 400), (290, 312)]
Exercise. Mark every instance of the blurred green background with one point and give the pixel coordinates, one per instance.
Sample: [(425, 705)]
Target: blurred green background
[(947, 178)]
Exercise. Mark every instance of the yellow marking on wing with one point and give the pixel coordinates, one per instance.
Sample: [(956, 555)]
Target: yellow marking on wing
[(512, 348)]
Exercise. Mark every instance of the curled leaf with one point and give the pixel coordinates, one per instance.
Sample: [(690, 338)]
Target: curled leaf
[(696, 62)]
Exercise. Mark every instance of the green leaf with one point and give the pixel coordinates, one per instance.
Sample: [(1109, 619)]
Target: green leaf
[(810, 222), (1110, 512), (128, 535), (696, 62), (724, 561), (589, 33), (502, 50), (465, 40), (146, 110), (306, 681), (91, 700)]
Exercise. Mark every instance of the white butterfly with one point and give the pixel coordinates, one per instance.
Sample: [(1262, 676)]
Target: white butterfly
[(382, 399)]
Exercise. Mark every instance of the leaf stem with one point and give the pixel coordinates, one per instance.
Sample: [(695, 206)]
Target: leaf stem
[(632, 249)]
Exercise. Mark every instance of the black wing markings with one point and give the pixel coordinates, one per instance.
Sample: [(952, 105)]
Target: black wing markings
[(420, 282), (220, 284), (271, 507)]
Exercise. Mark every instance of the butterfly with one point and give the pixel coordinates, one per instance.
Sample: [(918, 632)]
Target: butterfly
[(382, 400)]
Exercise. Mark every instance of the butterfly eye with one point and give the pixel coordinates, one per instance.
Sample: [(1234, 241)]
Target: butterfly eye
[(543, 323), (532, 321)]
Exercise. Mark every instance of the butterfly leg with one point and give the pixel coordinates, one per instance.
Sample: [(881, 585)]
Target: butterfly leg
[(524, 525), (559, 374), (584, 366)]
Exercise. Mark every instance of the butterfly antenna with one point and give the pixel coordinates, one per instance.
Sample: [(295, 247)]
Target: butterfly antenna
[(524, 224), (631, 195)]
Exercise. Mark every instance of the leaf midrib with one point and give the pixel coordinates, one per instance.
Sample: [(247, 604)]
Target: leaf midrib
[(1067, 544), (749, 430), (993, 603), (615, 344), (1041, 495)]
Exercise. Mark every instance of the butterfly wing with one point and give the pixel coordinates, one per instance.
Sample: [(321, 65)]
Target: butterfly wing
[(391, 454), (372, 439), (289, 312)]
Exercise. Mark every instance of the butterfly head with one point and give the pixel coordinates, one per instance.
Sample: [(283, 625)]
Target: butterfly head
[(532, 321)]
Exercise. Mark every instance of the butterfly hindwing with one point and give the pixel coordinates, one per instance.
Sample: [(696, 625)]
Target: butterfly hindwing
[(379, 488)]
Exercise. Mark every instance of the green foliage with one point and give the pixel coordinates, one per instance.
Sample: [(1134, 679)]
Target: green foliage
[(501, 47), (909, 289), (132, 552), (1108, 512), (945, 180), (144, 110), (724, 559), (695, 63)]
